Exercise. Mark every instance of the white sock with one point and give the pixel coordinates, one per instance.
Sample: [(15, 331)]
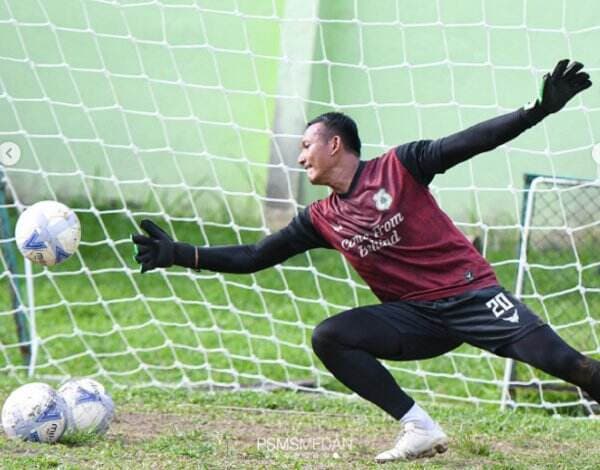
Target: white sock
[(419, 416)]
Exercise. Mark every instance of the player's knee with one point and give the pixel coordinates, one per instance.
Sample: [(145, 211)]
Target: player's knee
[(325, 337)]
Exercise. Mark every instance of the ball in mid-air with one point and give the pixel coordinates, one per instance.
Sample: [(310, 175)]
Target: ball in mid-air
[(34, 412), (48, 233), (89, 408)]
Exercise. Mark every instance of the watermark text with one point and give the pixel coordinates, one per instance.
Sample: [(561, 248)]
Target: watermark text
[(304, 444)]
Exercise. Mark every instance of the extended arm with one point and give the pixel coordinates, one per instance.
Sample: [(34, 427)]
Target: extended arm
[(426, 158), (159, 250)]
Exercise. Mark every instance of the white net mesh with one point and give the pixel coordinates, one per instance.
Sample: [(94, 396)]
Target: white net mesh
[(559, 273), (189, 113)]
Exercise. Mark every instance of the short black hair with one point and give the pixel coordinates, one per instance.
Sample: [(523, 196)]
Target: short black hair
[(342, 125)]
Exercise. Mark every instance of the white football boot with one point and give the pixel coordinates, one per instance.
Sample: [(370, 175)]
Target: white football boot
[(415, 442)]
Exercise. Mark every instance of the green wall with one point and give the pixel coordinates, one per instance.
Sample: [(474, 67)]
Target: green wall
[(105, 99)]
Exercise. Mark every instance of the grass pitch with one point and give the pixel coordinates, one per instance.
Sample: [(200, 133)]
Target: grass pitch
[(160, 429), (98, 316)]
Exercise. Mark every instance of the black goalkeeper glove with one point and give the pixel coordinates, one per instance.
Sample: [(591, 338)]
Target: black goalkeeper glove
[(155, 251), (561, 85)]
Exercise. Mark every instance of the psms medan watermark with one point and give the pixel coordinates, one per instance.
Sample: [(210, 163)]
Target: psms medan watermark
[(304, 444)]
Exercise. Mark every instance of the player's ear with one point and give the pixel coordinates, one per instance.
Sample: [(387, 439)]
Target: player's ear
[(335, 144)]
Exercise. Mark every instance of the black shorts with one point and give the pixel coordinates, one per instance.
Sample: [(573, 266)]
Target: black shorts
[(487, 318)]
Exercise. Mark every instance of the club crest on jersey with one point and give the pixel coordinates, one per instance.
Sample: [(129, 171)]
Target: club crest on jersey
[(383, 200)]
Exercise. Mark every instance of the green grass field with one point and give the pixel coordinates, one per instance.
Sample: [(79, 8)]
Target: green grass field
[(97, 316), (158, 429), (220, 332)]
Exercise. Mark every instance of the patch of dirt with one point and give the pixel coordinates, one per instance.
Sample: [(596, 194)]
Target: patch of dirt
[(136, 427), (258, 434)]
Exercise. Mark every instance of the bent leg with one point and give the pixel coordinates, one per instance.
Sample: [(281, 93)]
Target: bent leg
[(350, 343), (545, 350)]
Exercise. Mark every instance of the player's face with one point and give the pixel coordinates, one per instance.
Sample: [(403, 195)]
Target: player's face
[(316, 153)]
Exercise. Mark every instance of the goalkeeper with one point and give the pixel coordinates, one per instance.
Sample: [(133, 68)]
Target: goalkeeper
[(436, 290)]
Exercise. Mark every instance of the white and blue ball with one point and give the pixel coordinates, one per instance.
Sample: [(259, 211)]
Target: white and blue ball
[(48, 233), (89, 408), (34, 412)]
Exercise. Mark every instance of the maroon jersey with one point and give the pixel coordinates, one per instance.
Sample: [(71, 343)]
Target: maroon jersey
[(392, 231), (388, 225)]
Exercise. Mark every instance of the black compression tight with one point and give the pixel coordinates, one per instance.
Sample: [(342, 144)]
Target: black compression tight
[(350, 343), (545, 350)]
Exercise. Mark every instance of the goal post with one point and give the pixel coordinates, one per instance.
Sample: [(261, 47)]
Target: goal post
[(299, 28), (559, 272), (190, 113), (14, 284)]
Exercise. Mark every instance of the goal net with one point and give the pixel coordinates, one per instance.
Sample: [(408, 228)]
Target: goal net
[(559, 276), (189, 112)]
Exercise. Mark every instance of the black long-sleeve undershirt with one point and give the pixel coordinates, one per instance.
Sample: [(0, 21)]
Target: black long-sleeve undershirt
[(423, 159), (426, 158), (297, 237)]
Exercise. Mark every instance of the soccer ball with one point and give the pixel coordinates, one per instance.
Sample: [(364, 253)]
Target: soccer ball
[(48, 233), (34, 412), (89, 408)]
